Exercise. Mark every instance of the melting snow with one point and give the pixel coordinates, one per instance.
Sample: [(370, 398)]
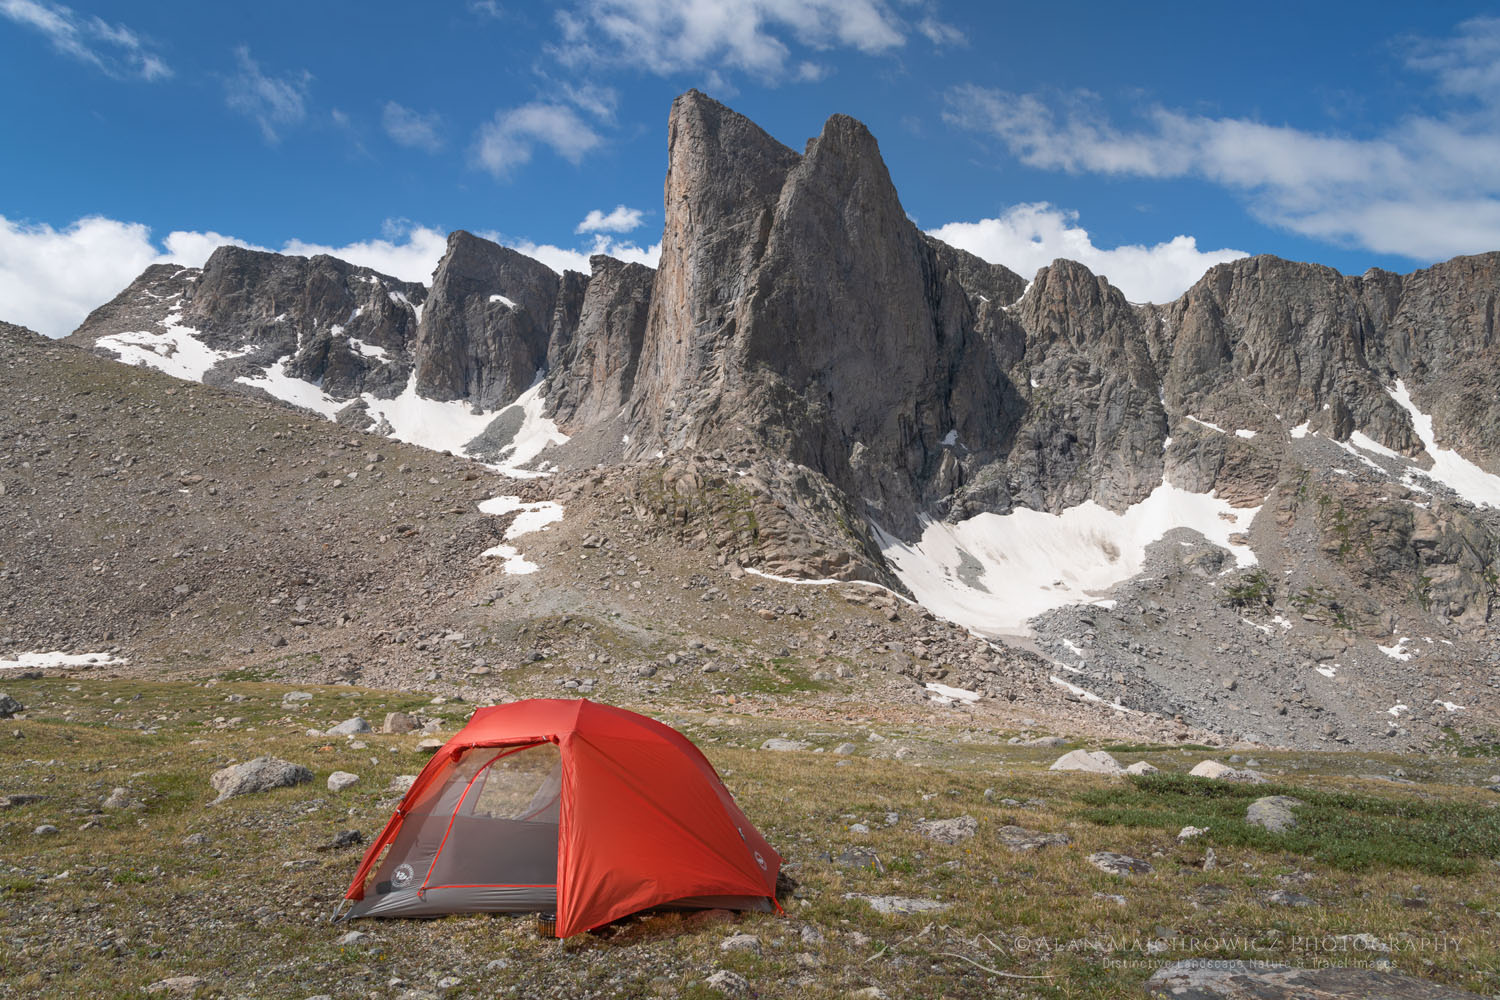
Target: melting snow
[(994, 572), (1448, 705), (950, 439), (1300, 431), (1398, 651), (1205, 423), (177, 351), (1328, 671), (278, 383), (536, 433), (515, 563), (1283, 622), (33, 661), (507, 303), (945, 695), (1448, 467), (1396, 710), (1072, 648), (532, 517), (1242, 433), (369, 350)]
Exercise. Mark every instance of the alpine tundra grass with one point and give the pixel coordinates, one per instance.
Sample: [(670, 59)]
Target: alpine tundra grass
[(239, 894)]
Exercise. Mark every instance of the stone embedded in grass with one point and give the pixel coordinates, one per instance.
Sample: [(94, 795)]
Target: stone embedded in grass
[(350, 727), (258, 775), (1045, 741), (897, 904), (1018, 838), (430, 745), (119, 798), (340, 780), (741, 942), (1219, 979), (45, 830), (1223, 772), (296, 697), (181, 986), (948, 831), (728, 983), (1273, 813), (779, 744), (1141, 767), (845, 748), (1189, 832), (9, 706), (1120, 864), (1285, 897), (402, 782), (1088, 761)]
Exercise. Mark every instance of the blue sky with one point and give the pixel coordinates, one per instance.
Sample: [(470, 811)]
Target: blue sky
[(1149, 141)]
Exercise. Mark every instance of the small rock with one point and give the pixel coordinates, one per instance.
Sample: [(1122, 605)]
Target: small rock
[(859, 828), (430, 745), (1045, 741), (868, 993), (181, 986), (811, 935), (1189, 832), (402, 782), (45, 830), (119, 798), (1141, 767), (1273, 813), (353, 938), (898, 904), (1285, 897), (1018, 838), (948, 831), (350, 727), (729, 983), (294, 697), (9, 706), (1210, 860), (741, 942), (776, 743), (1223, 772), (1119, 864), (340, 780), (345, 838), (845, 748), (1091, 762), (195, 840), (1110, 897)]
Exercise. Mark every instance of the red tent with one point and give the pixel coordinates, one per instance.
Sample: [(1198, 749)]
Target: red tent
[(572, 807)]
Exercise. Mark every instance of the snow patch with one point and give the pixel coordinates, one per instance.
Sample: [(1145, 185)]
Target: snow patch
[(1396, 710), (369, 350), (1329, 672), (1397, 651), (1448, 467), (515, 563), (532, 516), (1205, 423), (507, 303), (994, 572), (38, 660), (536, 433), (945, 695), (950, 439), (1242, 433), (278, 383), (1300, 431), (1448, 705), (176, 350)]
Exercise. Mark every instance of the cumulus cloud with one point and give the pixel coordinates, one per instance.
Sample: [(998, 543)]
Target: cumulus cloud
[(755, 36), (508, 140), (562, 259), (412, 128), (1424, 187), (113, 49), (1027, 237), (619, 220), (275, 103), (50, 279)]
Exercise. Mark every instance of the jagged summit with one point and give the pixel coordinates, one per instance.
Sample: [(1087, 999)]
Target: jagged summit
[(843, 395)]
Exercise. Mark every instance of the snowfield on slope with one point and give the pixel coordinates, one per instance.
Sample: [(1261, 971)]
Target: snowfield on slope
[(994, 572)]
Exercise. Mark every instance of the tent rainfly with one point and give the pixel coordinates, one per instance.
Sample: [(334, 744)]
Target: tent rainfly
[(567, 807)]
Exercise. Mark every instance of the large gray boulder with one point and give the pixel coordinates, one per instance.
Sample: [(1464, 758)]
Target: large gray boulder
[(1273, 813), (1088, 761), (258, 775)]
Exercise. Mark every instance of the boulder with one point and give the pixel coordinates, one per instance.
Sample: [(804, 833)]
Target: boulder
[(1219, 979), (1223, 772), (1273, 813), (258, 775), (948, 831), (397, 722), (340, 780), (1018, 838), (1088, 761), (1141, 767), (9, 706), (776, 743), (1120, 864), (350, 727)]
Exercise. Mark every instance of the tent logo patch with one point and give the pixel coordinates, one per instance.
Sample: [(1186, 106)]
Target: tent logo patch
[(760, 861), (404, 874)]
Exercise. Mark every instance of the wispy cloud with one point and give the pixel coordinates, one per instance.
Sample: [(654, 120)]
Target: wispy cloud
[(275, 103), (619, 220), (1423, 187), (509, 139), (753, 36), (113, 49), (1027, 237), (412, 128), (562, 259)]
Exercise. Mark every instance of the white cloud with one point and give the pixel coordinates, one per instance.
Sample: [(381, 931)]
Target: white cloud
[(672, 36), (1027, 237), (562, 259), (274, 103), (941, 34), (508, 140), (50, 279), (412, 128), (114, 49), (1424, 187), (619, 220)]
